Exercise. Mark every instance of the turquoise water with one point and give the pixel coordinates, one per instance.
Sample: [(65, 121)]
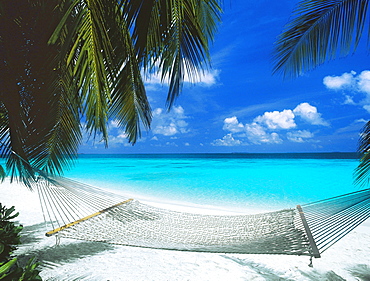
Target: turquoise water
[(267, 181)]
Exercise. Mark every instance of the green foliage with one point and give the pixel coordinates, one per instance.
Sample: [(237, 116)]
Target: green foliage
[(9, 232), (320, 30), (5, 268), (362, 172), (9, 239), (64, 60), (2, 174), (11, 271)]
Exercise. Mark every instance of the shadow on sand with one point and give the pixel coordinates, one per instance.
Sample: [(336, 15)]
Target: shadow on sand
[(313, 274), (67, 252), (361, 271), (33, 238)]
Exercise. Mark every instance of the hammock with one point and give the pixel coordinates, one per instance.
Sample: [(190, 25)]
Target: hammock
[(79, 211)]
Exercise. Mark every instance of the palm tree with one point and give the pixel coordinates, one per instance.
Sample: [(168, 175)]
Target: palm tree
[(362, 171), (322, 30), (71, 65)]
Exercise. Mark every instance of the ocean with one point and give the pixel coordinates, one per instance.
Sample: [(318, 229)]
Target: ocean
[(233, 181)]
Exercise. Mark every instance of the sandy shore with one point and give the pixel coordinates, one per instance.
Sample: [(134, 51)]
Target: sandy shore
[(349, 259)]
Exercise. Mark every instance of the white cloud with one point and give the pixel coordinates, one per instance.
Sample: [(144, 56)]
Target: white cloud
[(349, 100), (178, 110), (367, 107), (364, 81), (277, 119), (169, 123), (254, 132), (207, 78), (362, 120), (262, 130), (168, 130), (227, 140), (355, 126), (116, 136), (119, 137), (299, 136), (171, 144), (203, 78), (257, 134), (339, 82), (232, 124), (357, 85), (113, 123), (309, 113), (255, 129)]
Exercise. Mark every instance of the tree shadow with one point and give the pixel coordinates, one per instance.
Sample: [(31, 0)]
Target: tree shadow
[(272, 275), (33, 233), (327, 276), (259, 269), (361, 271), (53, 256)]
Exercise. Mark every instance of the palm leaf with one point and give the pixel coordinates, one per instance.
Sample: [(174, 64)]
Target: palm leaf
[(129, 101), (64, 60), (55, 107), (186, 47), (362, 172), (105, 67), (38, 134), (14, 99), (176, 42), (319, 31), (89, 55)]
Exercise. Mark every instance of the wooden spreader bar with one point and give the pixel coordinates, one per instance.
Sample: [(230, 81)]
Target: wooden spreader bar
[(52, 232)]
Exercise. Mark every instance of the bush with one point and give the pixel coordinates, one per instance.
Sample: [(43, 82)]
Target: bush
[(9, 233), (9, 239)]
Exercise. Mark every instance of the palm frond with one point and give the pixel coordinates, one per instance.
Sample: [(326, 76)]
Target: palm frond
[(63, 60), (89, 51), (129, 105), (176, 43), (2, 174), (14, 98), (362, 172), (319, 31), (56, 104), (186, 46), (38, 134), (146, 20), (105, 66), (57, 144)]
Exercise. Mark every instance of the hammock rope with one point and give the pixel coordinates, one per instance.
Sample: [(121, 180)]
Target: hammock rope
[(331, 219), (79, 211)]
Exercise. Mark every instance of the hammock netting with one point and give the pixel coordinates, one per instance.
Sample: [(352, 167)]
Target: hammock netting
[(79, 211)]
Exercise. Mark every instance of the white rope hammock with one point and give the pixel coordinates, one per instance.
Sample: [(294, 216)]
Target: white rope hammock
[(79, 211)]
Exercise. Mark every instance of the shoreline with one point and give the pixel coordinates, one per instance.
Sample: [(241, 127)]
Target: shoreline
[(101, 261), (182, 206)]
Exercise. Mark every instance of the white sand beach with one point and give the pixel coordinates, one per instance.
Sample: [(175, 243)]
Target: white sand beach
[(349, 259)]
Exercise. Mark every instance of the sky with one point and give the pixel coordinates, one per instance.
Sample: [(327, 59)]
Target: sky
[(239, 106)]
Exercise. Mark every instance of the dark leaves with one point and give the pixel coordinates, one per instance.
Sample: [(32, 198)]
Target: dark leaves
[(319, 31), (362, 172), (66, 61)]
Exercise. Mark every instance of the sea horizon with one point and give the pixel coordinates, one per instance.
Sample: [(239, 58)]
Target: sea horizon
[(324, 155)]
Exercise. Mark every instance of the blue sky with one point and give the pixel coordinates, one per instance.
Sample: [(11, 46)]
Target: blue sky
[(239, 106)]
